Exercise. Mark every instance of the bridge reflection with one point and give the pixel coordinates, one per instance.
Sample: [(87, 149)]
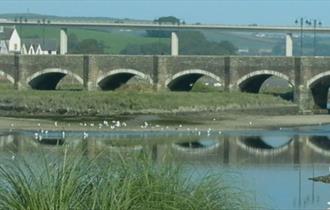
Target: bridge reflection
[(217, 150)]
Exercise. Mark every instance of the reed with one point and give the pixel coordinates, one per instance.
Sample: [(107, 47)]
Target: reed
[(72, 181)]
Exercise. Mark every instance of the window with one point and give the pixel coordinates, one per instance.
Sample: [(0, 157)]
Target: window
[(15, 46)]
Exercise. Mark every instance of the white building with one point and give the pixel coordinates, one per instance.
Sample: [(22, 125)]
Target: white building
[(39, 47), (10, 41)]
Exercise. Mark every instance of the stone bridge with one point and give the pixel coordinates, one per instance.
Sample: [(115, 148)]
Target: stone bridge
[(309, 76)]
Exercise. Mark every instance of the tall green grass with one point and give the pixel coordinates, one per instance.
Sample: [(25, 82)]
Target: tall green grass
[(120, 182)]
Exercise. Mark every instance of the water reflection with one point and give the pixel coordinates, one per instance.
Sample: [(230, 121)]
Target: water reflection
[(197, 147), (276, 167), (224, 149)]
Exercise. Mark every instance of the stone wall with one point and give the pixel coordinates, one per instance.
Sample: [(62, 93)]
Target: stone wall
[(304, 73)]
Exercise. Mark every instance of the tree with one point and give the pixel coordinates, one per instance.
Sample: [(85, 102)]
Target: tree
[(73, 43), (191, 43), (195, 43), (167, 20), (87, 46), (91, 46)]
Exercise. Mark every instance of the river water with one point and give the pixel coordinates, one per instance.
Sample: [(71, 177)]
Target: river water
[(273, 165)]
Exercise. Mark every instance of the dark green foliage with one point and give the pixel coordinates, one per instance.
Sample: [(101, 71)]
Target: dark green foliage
[(73, 42), (195, 43), (191, 43), (91, 46), (168, 20), (86, 46)]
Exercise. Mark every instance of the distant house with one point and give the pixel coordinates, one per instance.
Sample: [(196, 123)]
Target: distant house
[(10, 41), (39, 47)]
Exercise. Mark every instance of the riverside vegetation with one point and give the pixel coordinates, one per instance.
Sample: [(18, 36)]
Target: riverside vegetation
[(106, 103), (71, 180)]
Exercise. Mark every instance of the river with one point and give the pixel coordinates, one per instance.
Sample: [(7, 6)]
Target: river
[(272, 165)]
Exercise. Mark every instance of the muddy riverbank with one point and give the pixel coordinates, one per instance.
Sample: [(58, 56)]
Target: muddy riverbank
[(180, 121)]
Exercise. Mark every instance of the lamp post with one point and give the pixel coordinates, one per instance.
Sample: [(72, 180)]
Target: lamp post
[(315, 23), (307, 22), (301, 23)]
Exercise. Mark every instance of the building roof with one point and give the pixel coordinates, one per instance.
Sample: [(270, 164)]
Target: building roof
[(6, 34), (48, 44)]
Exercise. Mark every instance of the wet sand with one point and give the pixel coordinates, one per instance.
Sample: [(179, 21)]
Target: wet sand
[(219, 121)]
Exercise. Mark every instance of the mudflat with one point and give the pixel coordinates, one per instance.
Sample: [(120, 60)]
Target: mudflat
[(201, 121)]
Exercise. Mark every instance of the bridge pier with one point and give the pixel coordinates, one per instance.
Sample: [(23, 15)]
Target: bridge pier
[(310, 76), (288, 45), (63, 41), (174, 44)]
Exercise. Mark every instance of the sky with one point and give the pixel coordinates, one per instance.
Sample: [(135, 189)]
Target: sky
[(262, 12)]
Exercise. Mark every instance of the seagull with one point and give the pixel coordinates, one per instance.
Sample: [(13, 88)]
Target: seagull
[(85, 135)]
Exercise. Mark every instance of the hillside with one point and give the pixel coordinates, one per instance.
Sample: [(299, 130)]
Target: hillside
[(34, 16), (115, 40)]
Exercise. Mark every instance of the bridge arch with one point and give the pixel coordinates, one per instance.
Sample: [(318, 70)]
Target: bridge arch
[(319, 144), (319, 86), (7, 76), (115, 78), (253, 81), (48, 79), (257, 146), (197, 147), (184, 80)]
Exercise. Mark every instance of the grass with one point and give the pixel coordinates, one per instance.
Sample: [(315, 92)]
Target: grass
[(105, 103), (73, 181), (242, 40)]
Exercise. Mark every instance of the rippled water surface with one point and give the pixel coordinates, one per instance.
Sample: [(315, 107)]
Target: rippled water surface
[(274, 166)]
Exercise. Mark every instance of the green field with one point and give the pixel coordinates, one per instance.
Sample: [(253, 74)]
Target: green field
[(114, 41), (242, 40)]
